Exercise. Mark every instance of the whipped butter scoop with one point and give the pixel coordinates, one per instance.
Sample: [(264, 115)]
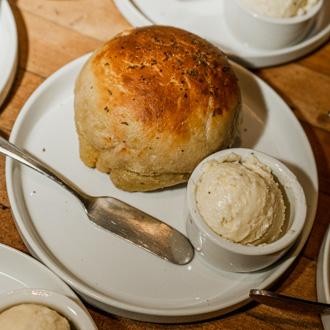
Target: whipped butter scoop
[(32, 317), (240, 200), (280, 8)]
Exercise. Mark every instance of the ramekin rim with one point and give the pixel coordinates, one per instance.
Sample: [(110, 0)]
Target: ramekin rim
[(263, 249)]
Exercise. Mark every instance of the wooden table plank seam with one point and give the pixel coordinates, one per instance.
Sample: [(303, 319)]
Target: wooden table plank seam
[(55, 22)]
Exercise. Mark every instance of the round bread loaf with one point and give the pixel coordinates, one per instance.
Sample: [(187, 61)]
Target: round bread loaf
[(151, 103)]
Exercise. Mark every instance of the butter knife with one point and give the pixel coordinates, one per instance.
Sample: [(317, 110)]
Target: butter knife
[(126, 221)]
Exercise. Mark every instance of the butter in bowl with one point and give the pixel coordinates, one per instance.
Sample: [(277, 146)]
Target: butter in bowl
[(246, 209), (269, 24), (41, 309)]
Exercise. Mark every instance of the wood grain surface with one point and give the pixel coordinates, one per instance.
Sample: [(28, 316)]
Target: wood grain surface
[(52, 33)]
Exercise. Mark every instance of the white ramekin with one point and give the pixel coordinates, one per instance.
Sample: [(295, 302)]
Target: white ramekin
[(266, 32), (74, 313), (226, 255)]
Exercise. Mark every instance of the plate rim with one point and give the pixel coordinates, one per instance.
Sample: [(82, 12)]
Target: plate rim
[(9, 78), (78, 285), (323, 276), (323, 269), (302, 48), (68, 294), (42, 268)]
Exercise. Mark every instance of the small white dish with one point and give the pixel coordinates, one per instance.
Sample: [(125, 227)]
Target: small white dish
[(21, 272), (207, 19), (8, 47), (229, 256), (75, 314), (323, 276), (267, 32)]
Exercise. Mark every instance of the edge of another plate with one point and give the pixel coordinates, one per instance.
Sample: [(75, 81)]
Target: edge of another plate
[(73, 311), (268, 58), (37, 264), (10, 58), (323, 276)]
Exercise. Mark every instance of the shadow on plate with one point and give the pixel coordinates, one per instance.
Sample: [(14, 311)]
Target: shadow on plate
[(255, 112)]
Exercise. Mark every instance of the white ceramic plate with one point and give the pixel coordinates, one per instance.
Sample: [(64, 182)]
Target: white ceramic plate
[(206, 18), (323, 276), (109, 272), (8, 49), (19, 271)]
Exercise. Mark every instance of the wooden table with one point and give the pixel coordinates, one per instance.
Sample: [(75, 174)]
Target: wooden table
[(52, 33)]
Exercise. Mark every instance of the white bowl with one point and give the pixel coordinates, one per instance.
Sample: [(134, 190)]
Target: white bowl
[(226, 255), (267, 32), (74, 313)]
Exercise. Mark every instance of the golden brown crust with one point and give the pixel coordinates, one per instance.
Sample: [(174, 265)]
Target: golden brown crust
[(131, 181), (153, 101)]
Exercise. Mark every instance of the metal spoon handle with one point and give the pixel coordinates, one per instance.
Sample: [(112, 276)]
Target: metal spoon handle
[(286, 302), (27, 159)]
